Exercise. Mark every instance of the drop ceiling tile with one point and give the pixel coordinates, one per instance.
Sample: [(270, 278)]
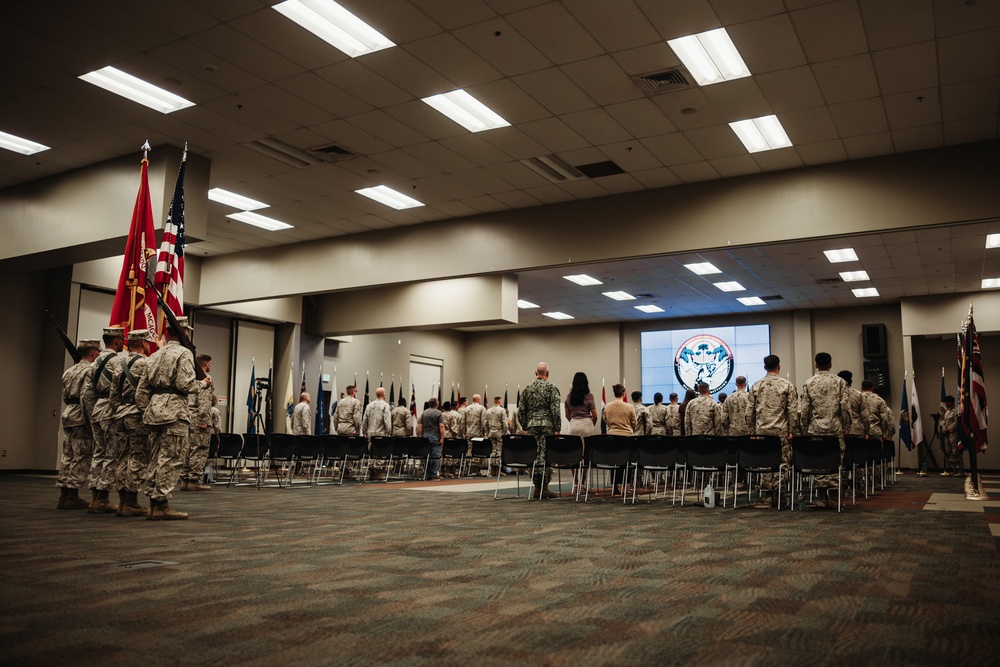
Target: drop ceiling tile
[(549, 194), (768, 45), (453, 60), (384, 126), (483, 180), (808, 125), (278, 34), (603, 80), (517, 174), (969, 130), (892, 23), (695, 172), (486, 204), (952, 19), (596, 126), (624, 27), (640, 118), (630, 156), (970, 99), (714, 142), (822, 152), (408, 73), (585, 189), (913, 109), (554, 32), (351, 137), (555, 91), (402, 22), (516, 199), (439, 157), (455, 13), (513, 142), (248, 113), (790, 89), (687, 109), (656, 57), (831, 31), (473, 148), (231, 45), (320, 93), (863, 117), (192, 59), (506, 99), (508, 51), (282, 103), (905, 68), (425, 119), (672, 149), (735, 100), (364, 83), (656, 178), (737, 165), (777, 160), (846, 79), (456, 209), (974, 55), (620, 183), (676, 18), (555, 135)]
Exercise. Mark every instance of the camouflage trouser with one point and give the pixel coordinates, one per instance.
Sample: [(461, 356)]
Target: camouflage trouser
[(954, 455), (830, 481), (542, 472), (104, 460), (74, 464), (134, 459), (496, 439), (196, 454), (166, 448), (769, 482)]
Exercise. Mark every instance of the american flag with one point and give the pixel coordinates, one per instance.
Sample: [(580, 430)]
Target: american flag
[(169, 278), (972, 386)]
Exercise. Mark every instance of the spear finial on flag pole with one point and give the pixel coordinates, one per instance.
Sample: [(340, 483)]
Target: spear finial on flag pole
[(184, 156), (145, 150)]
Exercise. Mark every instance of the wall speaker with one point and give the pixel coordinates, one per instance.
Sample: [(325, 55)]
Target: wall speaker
[(873, 341)]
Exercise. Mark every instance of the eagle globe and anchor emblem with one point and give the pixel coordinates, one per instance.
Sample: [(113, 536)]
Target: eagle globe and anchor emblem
[(704, 358)]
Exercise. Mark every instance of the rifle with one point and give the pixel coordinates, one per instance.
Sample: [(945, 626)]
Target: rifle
[(176, 330), (73, 352)]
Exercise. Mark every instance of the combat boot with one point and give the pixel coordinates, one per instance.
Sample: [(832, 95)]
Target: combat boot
[(63, 492), (102, 504), (160, 510), (74, 501), (536, 492), (121, 502), (93, 499), (184, 485), (132, 506), (197, 486), (549, 494)]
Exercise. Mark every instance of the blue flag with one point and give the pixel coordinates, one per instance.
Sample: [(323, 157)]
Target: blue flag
[(320, 407), (904, 421), (251, 425)]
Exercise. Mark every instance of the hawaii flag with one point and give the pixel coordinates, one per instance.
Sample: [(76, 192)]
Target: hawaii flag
[(916, 425), (169, 278), (131, 310)]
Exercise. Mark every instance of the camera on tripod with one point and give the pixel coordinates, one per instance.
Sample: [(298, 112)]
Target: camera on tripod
[(262, 383), (935, 416)]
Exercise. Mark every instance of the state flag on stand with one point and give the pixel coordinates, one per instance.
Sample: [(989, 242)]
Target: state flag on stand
[(413, 405), (320, 407), (292, 398), (131, 310), (972, 386), (251, 424), (916, 424), (904, 421), (169, 277)]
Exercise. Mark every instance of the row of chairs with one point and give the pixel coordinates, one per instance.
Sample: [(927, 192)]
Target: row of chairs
[(624, 459)]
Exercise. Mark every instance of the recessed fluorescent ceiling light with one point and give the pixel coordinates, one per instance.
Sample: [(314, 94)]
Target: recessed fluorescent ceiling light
[(135, 89), (583, 279), (466, 110), (731, 286), (841, 255), (862, 292), (619, 296), (710, 56), (19, 145), (257, 220), (993, 240), (335, 26), (521, 303), (236, 201), (761, 134), (558, 316), (991, 282), (853, 276), (649, 308), (702, 269), (751, 301), (389, 197)]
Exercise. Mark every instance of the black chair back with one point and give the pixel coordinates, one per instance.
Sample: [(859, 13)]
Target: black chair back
[(334, 447), (213, 446), (454, 448), (519, 451), (759, 453), (563, 451), (816, 454), (283, 446), (254, 447), (382, 447), (418, 448), (482, 448), (357, 446), (310, 447), (706, 452), (657, 451), (608, 451), (230, 446), (854, 451)]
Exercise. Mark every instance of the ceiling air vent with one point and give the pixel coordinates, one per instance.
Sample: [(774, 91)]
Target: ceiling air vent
[(333, 153), (772, 297), (598, 169), (664, 82), (281, 151), (828, 281), (553, 168)]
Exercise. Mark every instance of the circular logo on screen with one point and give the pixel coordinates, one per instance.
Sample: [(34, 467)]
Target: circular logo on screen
[(703, 358)]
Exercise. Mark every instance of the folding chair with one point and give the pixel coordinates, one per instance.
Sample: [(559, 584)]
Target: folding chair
[(888, 462), (705, 454), (213, 453), (518, 453), (382, 449), (335, 448), (854, 455), (611, 454), (357, 452), (280, 458), (454, 448), (481, 450), (255, 447), (815, 455), (230, 449), (419, 449), (308, 455), (757, 455), (564, 452), (655, 454)]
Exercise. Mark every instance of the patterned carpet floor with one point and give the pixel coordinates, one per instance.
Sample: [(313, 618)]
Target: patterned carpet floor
[(390, 575)]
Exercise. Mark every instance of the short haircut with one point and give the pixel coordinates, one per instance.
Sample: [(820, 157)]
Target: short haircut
[(108, 338), (636, 395), (847, 377), (619, 390), (949, 399), (771, 362), (702, 387), (446, 406), (823, 360), (84, 350), (402, 402), (658, 397), (741, 380), (351, 387), (497, 399), (673, 395), (867, 384), (432, 403), (203, 358)]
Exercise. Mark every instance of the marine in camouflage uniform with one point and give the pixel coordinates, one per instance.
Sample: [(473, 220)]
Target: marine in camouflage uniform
[(107, 446), (823, 409), (672, 421), (852, 418), (474, 422), (450, 420), (347, 415), (540, 412), (642, 423), (734, 410), (773, 409), (402, 420), (657, 415), (703, 416), (128, 425), (200, 433), (952, 438), (302, 419), (377, 418), (74, 463), (162, 394), (496, 426)]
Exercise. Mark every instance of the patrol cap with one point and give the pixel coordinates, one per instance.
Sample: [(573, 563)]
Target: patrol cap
[(138, 335), (184, 322), (85, 343), (115, 332)]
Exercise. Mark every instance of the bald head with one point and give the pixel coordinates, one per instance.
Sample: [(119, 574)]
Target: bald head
[(304, 397), (542, 370), (476, 398), (380, 393)]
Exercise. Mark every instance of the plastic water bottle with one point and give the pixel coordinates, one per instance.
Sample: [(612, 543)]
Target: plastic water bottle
[(709, 496)]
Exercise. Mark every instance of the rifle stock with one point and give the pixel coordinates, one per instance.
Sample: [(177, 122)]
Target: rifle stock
[(70, 347), (176, 330)]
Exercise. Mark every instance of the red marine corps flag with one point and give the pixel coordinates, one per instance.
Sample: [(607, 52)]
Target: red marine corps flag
[(169, 278), (131, 309)]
